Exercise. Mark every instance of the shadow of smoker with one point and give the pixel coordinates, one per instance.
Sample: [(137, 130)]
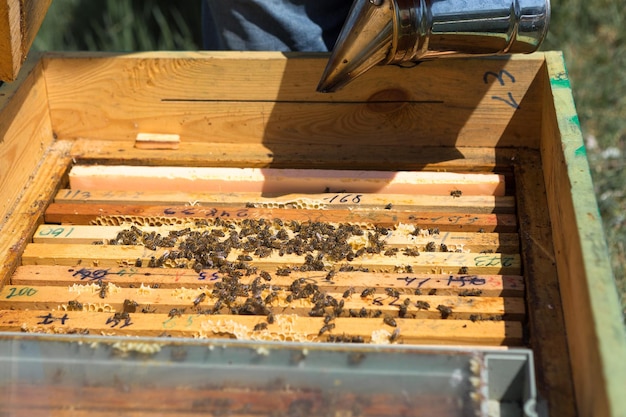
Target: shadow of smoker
[(391, 119)]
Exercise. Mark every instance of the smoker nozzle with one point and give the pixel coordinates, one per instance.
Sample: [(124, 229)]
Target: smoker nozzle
[(396, 31)]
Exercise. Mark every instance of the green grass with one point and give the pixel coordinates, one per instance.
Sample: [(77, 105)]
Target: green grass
[(589, 32), (120, 26)]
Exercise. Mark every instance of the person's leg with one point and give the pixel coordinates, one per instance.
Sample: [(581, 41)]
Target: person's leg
[(211, 39), (280, 25)]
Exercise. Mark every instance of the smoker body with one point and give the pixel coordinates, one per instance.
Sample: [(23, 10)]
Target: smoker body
[(402, 31)]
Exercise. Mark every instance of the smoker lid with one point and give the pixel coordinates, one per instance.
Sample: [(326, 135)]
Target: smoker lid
[(365, 41)]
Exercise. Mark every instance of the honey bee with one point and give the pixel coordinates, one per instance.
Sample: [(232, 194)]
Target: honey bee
[(121, 315), (338, 309), (402, 310), (316, 312), (176, 312), (411, 252), (422, 305), (444, 310), (326, 328), (390, 321), (118, 317), (200, 298), (392, 292), (260, 326), (271, 297), (330, 275), (470, 293), (347, 293), (394, 336), (74, 305), (283, 272), (130, 306), (104, 288), (367, 292), (475, 317)]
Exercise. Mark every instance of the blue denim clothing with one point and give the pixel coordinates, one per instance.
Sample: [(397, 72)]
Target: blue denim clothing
[(273, 25)]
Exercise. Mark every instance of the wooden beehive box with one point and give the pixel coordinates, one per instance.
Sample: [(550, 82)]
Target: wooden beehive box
[(550, 282)]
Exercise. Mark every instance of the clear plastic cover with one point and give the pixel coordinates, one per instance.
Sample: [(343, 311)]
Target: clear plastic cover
[(69, 374)]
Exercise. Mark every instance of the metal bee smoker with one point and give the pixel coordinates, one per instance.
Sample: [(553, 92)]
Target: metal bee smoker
[(402, 31)]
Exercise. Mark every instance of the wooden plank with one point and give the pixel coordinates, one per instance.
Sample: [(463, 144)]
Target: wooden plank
[(545, 312), (25, 133), (473, 242), (115, 214), (286, 327), (33, 14), (132, 276), (20, 225), (216, 98), (462, 204), (10, 39), (164, 300), (593, 318), (19, 23), (429, 262), (352, 154), (278, 181)]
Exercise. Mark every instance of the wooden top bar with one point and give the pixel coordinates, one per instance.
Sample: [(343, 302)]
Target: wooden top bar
[(286, 327), (353, 201), (428, 262), (115, 214), (132, 276)]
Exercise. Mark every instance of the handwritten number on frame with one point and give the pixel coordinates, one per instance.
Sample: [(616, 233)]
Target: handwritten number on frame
[(502, 77)]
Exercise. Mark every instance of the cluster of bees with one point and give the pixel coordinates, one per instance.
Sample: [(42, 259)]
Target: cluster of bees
[(320, 244), (209, 248)]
